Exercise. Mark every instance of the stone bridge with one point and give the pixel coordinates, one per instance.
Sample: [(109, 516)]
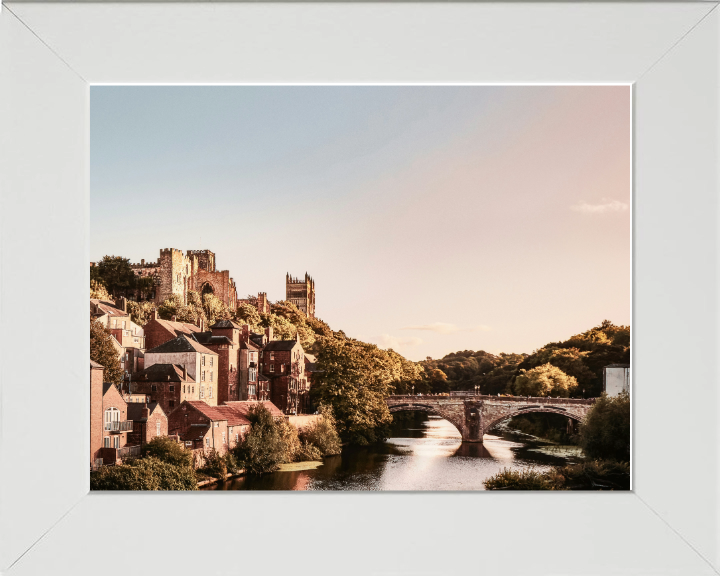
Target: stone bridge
[(474, 415)]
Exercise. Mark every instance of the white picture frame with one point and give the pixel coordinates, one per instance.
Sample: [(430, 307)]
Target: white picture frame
[(50, 53)]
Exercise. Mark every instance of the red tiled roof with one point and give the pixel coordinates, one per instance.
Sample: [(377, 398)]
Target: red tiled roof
[(244, 406), (178, 327), (218, 413), (94, 364)]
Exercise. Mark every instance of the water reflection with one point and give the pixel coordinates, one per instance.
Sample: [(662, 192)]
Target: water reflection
[(425, 455)]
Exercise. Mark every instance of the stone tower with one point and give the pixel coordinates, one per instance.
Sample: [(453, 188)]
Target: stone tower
[(301, 293)]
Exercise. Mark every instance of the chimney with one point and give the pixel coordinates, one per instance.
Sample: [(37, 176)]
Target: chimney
[(121, 303), (142, 261), (174, 318), (202, 324), (269, 333), (145, 412), (184, 372)]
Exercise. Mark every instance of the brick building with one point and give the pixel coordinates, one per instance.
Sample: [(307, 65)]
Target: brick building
[(166, 384), (159, 331), (227, 369), (149, 421), (249, 363), (301, 292), (283, 363), (109, 426), (208, 427), (129, 337), (176, 273)]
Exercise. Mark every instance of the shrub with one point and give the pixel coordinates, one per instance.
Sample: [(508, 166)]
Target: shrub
[(597, 475), (323, 434), (144, 474), (215, 465), (544, 380), (518, 480), (605, 432), (263, 448), (168, 450), (308, 452)]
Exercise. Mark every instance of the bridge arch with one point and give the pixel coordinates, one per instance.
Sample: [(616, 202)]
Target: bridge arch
[(494, 421), (419, 407)]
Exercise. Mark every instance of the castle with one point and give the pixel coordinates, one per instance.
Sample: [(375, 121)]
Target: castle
[(301, 293), (176, 273)]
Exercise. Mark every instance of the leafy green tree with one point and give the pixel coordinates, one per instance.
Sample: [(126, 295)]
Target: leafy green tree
[(144, 474), (545, 380), (98, 290), (605, 432), (569, 360), (247, 314), (323, 434), (103, 351), (283, 329), (168, 450), (140, 312), (354, 381), (115, 273), (214, 309), (263, 448), (191, 313)]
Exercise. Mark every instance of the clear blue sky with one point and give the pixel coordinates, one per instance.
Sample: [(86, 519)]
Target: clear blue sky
[(433, 219)]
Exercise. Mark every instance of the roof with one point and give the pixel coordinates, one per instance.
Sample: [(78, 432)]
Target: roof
[(208, 338), (311, 367), (233, 416), (249, 346), (263, 378), (180, 344), (244, 407), (177, 327), (226, 324), (310, 358), (279, 345), (134, 410), (108, 307), (163, 372), (95, 365), (257, 338)]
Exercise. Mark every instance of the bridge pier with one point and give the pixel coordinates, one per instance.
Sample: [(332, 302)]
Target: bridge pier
[(472, 430)]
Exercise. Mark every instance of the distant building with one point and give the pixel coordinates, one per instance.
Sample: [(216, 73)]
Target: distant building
[(301, 292), (159, 331), (283, 364), (129, 338), (149, 421), (202, 427), (166, 384), (616, 379), (260, 302)]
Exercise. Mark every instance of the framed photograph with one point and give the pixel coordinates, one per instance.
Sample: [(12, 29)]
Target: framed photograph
[(97, 100)]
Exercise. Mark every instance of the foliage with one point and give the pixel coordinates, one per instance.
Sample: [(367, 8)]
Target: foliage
[(103, 351), (354, 381), (597, 475), (144, 474), (263, 448), (140, 312), (247, 314), (215, 465), (308, 452), (192, 313), (323, 434), (115, 273), (605, 432), (551, 427), (168, 450), (545, 380), (283, 329), (98, 290), (214, 309), (467, 369), (289, 435)]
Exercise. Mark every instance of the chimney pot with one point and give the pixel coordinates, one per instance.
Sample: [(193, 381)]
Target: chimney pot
[(174, 318)]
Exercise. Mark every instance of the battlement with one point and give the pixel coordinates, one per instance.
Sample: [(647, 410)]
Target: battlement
[(144, 264), (170, 252), (291, 280)]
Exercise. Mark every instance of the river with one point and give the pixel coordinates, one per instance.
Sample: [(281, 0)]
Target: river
[(422, 454)]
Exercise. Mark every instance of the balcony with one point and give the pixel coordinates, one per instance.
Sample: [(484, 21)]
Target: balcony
[(119, 426), (130, 452)]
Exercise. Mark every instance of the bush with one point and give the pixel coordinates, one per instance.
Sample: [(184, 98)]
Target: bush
[(597, 475), (215, 465), (168, 450), (262, 449), (323, 434), (144, 474), (308, 452), (605, 432)]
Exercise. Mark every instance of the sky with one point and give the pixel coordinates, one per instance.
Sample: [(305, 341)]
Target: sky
[(433, 218)]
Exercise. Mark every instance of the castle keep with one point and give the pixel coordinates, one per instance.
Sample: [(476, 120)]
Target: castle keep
[(176, 273), (301, 293)]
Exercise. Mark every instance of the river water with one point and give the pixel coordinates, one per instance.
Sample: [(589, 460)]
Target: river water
[(425, 454)]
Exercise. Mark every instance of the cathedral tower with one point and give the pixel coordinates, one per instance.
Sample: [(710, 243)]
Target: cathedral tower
[(301, 293)]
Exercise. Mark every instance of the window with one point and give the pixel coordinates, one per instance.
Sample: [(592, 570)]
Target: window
[(157, 428), (252, 375), (272, 355), (117, 442), (183, 388), (106, 442), (112, 418), (193, 389), (251, 390), (237, 439), (217, 424), (211, 376), (207, 441), (202, 378), (135, 340), (282, 367), (202, 391), (272, 367), (153, 388), (211, 360), (123, 324), (171, 403), (171, 388), (202, 361), (210, 392), (224, 438)]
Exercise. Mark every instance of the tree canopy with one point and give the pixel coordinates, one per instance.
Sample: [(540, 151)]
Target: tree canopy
[(605, 432), (545, 380), (104, 352)]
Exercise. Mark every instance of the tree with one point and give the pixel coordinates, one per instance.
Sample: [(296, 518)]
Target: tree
[(545, 380), (144, 474), (214, 308), (104, 352), (140, 312), (354, 380), (247, 314), (283, 329), (572, 361), (605, 432), (262, 449), (168, 450), (98, 290), (323, 433), (115, 273), (192, 313)]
